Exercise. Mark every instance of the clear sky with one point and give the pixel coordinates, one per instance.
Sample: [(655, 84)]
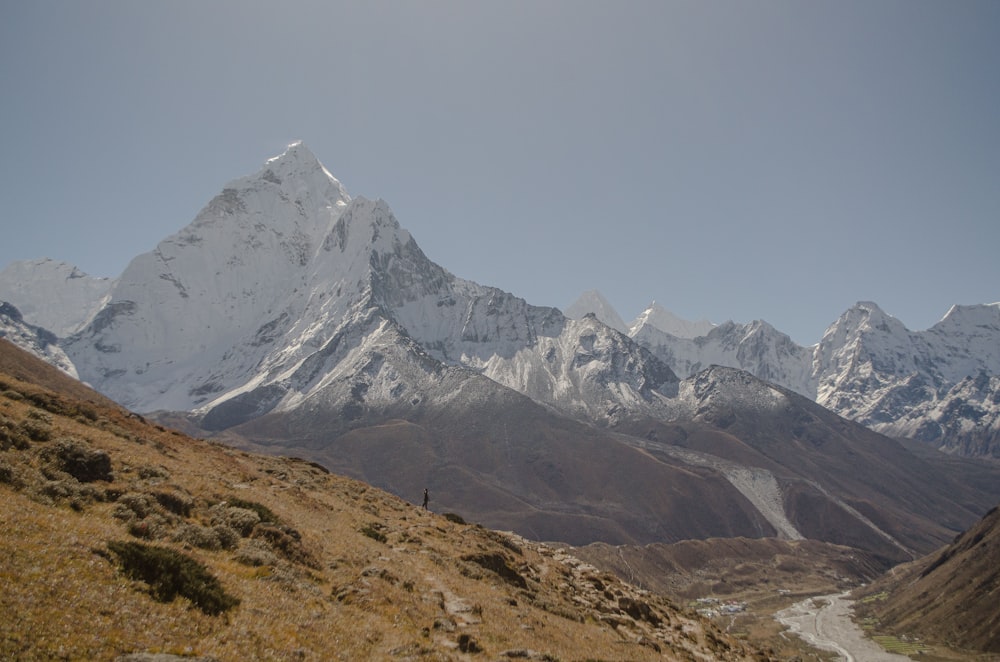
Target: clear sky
[(765, 159)]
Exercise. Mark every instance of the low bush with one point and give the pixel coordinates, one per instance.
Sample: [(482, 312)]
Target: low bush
[(240, 520), (197, 536), (151, 528), (12, 435), (263, 512), (255, 553), (373, 532), (82, 462), (133, 505), (38, 425), (8, 475), (170, 573), (287, 542), (175, 502)]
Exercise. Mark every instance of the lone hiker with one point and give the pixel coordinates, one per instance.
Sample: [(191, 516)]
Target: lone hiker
[(425, 498)]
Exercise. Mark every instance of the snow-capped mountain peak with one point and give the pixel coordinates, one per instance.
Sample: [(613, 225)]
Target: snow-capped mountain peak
[(592, 301), (660, 318), (296, 162), (985, 315), (237, 276), (282, 274)]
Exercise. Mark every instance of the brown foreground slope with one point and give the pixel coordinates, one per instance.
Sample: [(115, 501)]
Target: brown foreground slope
[(950, 597), (123, 537)]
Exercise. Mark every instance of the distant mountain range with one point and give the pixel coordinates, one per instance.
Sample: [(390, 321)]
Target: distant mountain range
[(940, 386), (291, 318)]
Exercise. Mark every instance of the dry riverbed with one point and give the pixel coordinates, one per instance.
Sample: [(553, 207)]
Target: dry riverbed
[(825, 622)]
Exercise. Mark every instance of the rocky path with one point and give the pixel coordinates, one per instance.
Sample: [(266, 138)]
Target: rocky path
[(825, 622)]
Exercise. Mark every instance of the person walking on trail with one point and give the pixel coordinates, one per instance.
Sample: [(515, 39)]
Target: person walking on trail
[(425, 498)]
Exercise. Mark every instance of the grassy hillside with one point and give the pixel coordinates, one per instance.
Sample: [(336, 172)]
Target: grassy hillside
[(951, 597), (121, 537)]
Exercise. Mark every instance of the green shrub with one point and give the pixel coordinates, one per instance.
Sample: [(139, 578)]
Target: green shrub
[(373, 532), (39, 415), (87, 412), (454, 517), (263, 512), (175, 502), (12, 435), (9, 476), (256, 553), (229, 538), (287, 542), (170, 573), (152, 527), (82, 462), (132, 505), (36, 430), (49, 402), (239, 519), (197, 536)]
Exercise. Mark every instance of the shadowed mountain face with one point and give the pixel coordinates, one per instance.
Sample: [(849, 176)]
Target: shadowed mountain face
[(504, 460), (746, 459), (835, 475), (951, 596)]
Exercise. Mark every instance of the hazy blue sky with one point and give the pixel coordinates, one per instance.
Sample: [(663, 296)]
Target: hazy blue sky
[(732, 160)]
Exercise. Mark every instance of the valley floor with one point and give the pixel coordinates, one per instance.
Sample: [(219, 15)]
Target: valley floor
[(825, 622)]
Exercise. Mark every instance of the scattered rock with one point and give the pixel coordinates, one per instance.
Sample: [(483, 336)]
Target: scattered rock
[(467, 644)]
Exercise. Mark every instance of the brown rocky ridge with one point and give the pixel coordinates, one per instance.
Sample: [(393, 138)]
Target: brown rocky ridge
[(950, 597)]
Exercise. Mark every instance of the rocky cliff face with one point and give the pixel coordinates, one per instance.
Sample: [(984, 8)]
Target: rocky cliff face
[(965, 420), (871, 369)]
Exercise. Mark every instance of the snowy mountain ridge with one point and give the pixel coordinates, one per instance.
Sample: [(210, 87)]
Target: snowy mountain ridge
[(660, 318), (249, 308), (69, 298), (867, 367), (283, 275), (40, 342)]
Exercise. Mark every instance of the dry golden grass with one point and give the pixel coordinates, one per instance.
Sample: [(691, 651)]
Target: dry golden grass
[(347, 572)]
